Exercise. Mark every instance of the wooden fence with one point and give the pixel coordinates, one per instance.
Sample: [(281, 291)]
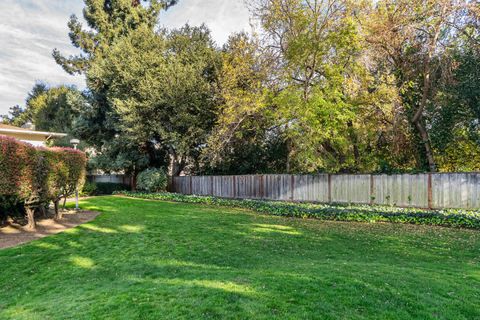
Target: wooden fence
[(110, 178), (442, 190)]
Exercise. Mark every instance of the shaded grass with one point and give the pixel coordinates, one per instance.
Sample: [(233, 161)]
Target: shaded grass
[(155, 260)]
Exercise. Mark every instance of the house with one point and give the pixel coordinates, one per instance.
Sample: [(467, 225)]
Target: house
[(36, 138)]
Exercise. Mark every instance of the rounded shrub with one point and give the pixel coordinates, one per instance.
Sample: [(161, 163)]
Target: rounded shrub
[(15, 164), (24, 176), (89, 189), (152, 180), (14, 160), (32, 177), (75, 161)]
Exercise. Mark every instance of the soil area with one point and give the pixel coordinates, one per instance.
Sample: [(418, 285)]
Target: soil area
[(13, 234)]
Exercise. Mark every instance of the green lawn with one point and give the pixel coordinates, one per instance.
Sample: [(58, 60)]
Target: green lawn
[(154, 260)]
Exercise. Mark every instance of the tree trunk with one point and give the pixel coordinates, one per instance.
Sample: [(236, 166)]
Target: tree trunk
[(133, 181), (427, 83), (354, 138), (43, 211), (58, 214), (427, 145), (288, 162), (176, 165), (30, 219)]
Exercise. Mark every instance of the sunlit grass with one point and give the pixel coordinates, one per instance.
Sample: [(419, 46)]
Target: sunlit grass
[(153, 260)]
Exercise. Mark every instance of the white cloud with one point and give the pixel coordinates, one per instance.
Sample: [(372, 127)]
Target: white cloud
[(223, 17), (31, 29)]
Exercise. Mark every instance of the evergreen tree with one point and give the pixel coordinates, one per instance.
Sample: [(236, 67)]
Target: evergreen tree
[(108, 22)]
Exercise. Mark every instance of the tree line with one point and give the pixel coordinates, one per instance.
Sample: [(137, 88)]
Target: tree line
[(318, 86)]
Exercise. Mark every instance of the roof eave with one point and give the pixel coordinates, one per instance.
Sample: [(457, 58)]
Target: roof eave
[(35, 133)]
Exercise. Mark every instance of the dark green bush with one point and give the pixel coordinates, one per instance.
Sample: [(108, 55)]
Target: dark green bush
[(108, 188), (10, 207), (102, 188), (152, 180), (359, 213), (89, 189)]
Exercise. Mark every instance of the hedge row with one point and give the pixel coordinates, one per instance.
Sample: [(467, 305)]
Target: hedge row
[(102, 188), (33, 177), (359, 213)]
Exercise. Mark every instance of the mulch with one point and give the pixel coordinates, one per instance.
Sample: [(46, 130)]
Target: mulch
[(14, 234)]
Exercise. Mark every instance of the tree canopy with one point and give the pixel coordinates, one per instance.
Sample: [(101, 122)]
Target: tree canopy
[(320, 86)]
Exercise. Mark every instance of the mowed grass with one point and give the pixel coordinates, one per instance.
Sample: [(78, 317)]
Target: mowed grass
[(154, 260)]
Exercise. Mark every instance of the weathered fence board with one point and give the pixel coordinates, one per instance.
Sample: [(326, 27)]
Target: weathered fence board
[(350, 188), (459, 190), (109, 178), (200, 186), (312, 188), (402, 190), (453, 190)]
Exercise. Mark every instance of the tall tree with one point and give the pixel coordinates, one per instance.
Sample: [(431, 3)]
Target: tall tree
[(166, 102), (455, 113), (14, 113), (322, 85), (108, 22), (21, 116), (245, 138), (413, 38)]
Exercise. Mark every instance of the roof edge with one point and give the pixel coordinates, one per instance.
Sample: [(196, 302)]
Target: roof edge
[(35, 133)]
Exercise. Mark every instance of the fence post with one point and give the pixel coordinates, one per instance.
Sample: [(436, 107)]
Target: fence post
[(191, 185), (211, 185), (234, 187), (430, 194), (292, 187), (262, 193), (372, 190), (329, 188)]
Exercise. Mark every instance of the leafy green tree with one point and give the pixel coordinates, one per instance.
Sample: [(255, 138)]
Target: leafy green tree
[(108, 22), (56, 109), (166, 102), (245, 138), (414, 40), (53, 109), (19, 116), (323, 97), (455, 113), (13, 114)]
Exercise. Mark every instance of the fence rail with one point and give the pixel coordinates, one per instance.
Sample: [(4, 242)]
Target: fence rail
[(439, 190)]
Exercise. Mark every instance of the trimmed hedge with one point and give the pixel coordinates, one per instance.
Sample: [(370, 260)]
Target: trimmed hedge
[(32, 177), (102, 188), (338, 212)]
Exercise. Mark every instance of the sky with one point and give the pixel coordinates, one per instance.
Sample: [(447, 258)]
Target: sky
[(31, 29)]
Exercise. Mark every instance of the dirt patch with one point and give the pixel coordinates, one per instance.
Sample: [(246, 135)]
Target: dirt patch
[(14, 234)]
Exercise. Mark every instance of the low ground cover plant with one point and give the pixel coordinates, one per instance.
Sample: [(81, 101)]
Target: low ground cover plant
[(33, 177), (334, 212)]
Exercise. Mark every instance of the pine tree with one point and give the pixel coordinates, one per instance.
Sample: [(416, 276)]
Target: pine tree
[(107, 21)]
